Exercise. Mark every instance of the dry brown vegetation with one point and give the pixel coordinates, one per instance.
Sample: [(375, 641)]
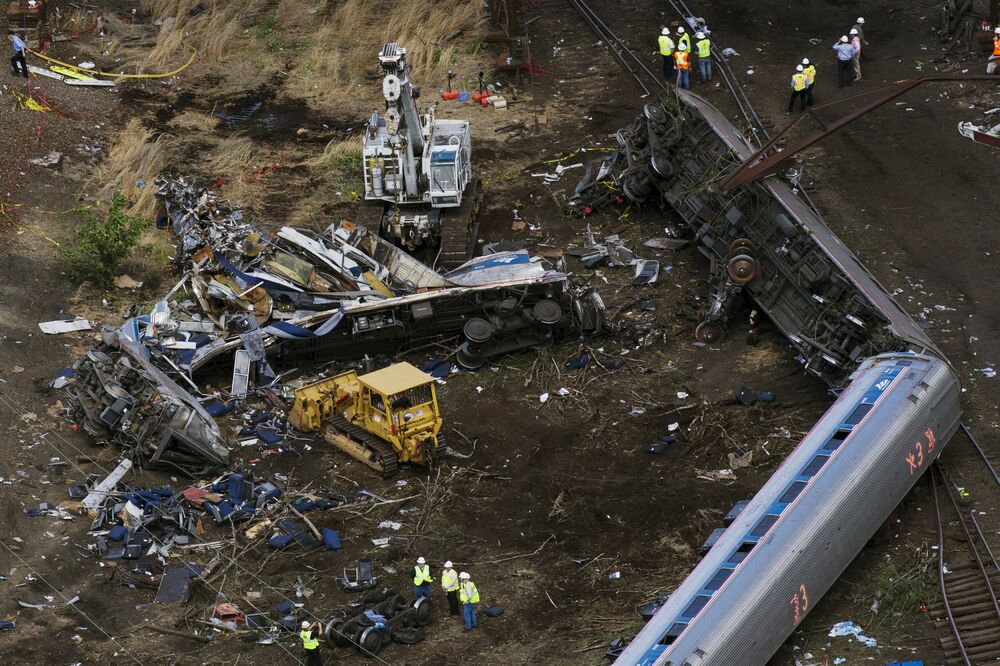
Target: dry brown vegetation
[(135, 155), (342, 52)]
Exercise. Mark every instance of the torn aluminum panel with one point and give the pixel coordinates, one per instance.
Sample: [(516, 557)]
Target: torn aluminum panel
[(989, 136), (120, 395), (759, 237)]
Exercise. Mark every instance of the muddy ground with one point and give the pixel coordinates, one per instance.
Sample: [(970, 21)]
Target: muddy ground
[(547, 483)]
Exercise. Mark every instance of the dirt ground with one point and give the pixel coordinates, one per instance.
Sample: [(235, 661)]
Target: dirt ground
[(557, 495)]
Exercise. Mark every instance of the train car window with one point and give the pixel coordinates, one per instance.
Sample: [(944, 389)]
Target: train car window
[(815, 465), (838, 438), (695, 606), (904, 364), (763, 525), (792, 492), (718, 579), (741, 553), (675, 630), (859, 413)]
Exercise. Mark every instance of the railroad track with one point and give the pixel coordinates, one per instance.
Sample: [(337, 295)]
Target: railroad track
[(969, 611)]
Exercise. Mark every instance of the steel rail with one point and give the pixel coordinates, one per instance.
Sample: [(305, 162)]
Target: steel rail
[(944, 592), (982, 453), (971, 542)]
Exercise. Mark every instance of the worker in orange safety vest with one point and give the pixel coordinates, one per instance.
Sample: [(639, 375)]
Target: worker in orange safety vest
[(991, 64), (682, 62)]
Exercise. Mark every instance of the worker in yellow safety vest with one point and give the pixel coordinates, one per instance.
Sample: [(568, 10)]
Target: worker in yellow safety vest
[(991, 65), (799, 83), (310, 644), (667, 53), (449, 583), (470, 597), (809, 70), (704, 46), (421, 579), (683, 39)]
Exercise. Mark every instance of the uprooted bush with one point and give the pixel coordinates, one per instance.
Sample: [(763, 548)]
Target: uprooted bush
[(99, 245)]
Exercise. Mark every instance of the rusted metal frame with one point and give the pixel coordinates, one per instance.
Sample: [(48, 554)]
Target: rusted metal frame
[(761, 164)]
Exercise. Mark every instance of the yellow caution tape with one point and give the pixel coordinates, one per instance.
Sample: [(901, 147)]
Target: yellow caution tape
[(71, 72), (163, 75), (577, 152), (30, 103)]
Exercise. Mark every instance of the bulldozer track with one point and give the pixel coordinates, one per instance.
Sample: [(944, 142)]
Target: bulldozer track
[(460, 228), (383, 451)]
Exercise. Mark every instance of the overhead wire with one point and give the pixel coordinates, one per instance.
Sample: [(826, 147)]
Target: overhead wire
[(79, 610), (7, 400)]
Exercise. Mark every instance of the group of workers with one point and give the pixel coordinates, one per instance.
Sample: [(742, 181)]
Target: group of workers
[(849, 55), (458, 588), (677, 56)]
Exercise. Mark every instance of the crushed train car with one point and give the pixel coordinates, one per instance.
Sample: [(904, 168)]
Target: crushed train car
[(759, 237), (121, 396)]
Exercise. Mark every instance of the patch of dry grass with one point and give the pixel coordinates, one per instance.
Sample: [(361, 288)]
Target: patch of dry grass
[(135, 155), (195, 121), (233, 159), (344, 50), (215, 31), (336, 152)]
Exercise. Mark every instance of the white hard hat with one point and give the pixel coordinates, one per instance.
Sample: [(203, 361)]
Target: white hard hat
[(844, 38), (305, 624), (464, 575), (680, 30), (854, 31), (421, 560), (861, 20), (799, 68), (448, 565), (665, 31), (997, 30), (805, 61), (700, 35)]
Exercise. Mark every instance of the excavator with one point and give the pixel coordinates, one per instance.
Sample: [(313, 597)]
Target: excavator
[(419, 188), (381, 418)]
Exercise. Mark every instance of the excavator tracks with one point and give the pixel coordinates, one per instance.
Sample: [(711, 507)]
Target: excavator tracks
[(460, 228), (369, 449)]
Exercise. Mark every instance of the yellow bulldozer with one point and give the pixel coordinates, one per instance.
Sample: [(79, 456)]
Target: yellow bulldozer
[(381, 418)]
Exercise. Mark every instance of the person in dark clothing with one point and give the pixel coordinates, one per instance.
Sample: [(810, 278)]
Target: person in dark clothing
[(18, 64)]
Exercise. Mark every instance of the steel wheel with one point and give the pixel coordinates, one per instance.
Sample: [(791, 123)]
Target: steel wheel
[(709, 332), (742, 269)]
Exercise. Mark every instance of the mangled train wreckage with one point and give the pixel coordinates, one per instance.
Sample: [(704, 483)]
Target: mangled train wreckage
[(760, 238), (898, 401), (259, 305)]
